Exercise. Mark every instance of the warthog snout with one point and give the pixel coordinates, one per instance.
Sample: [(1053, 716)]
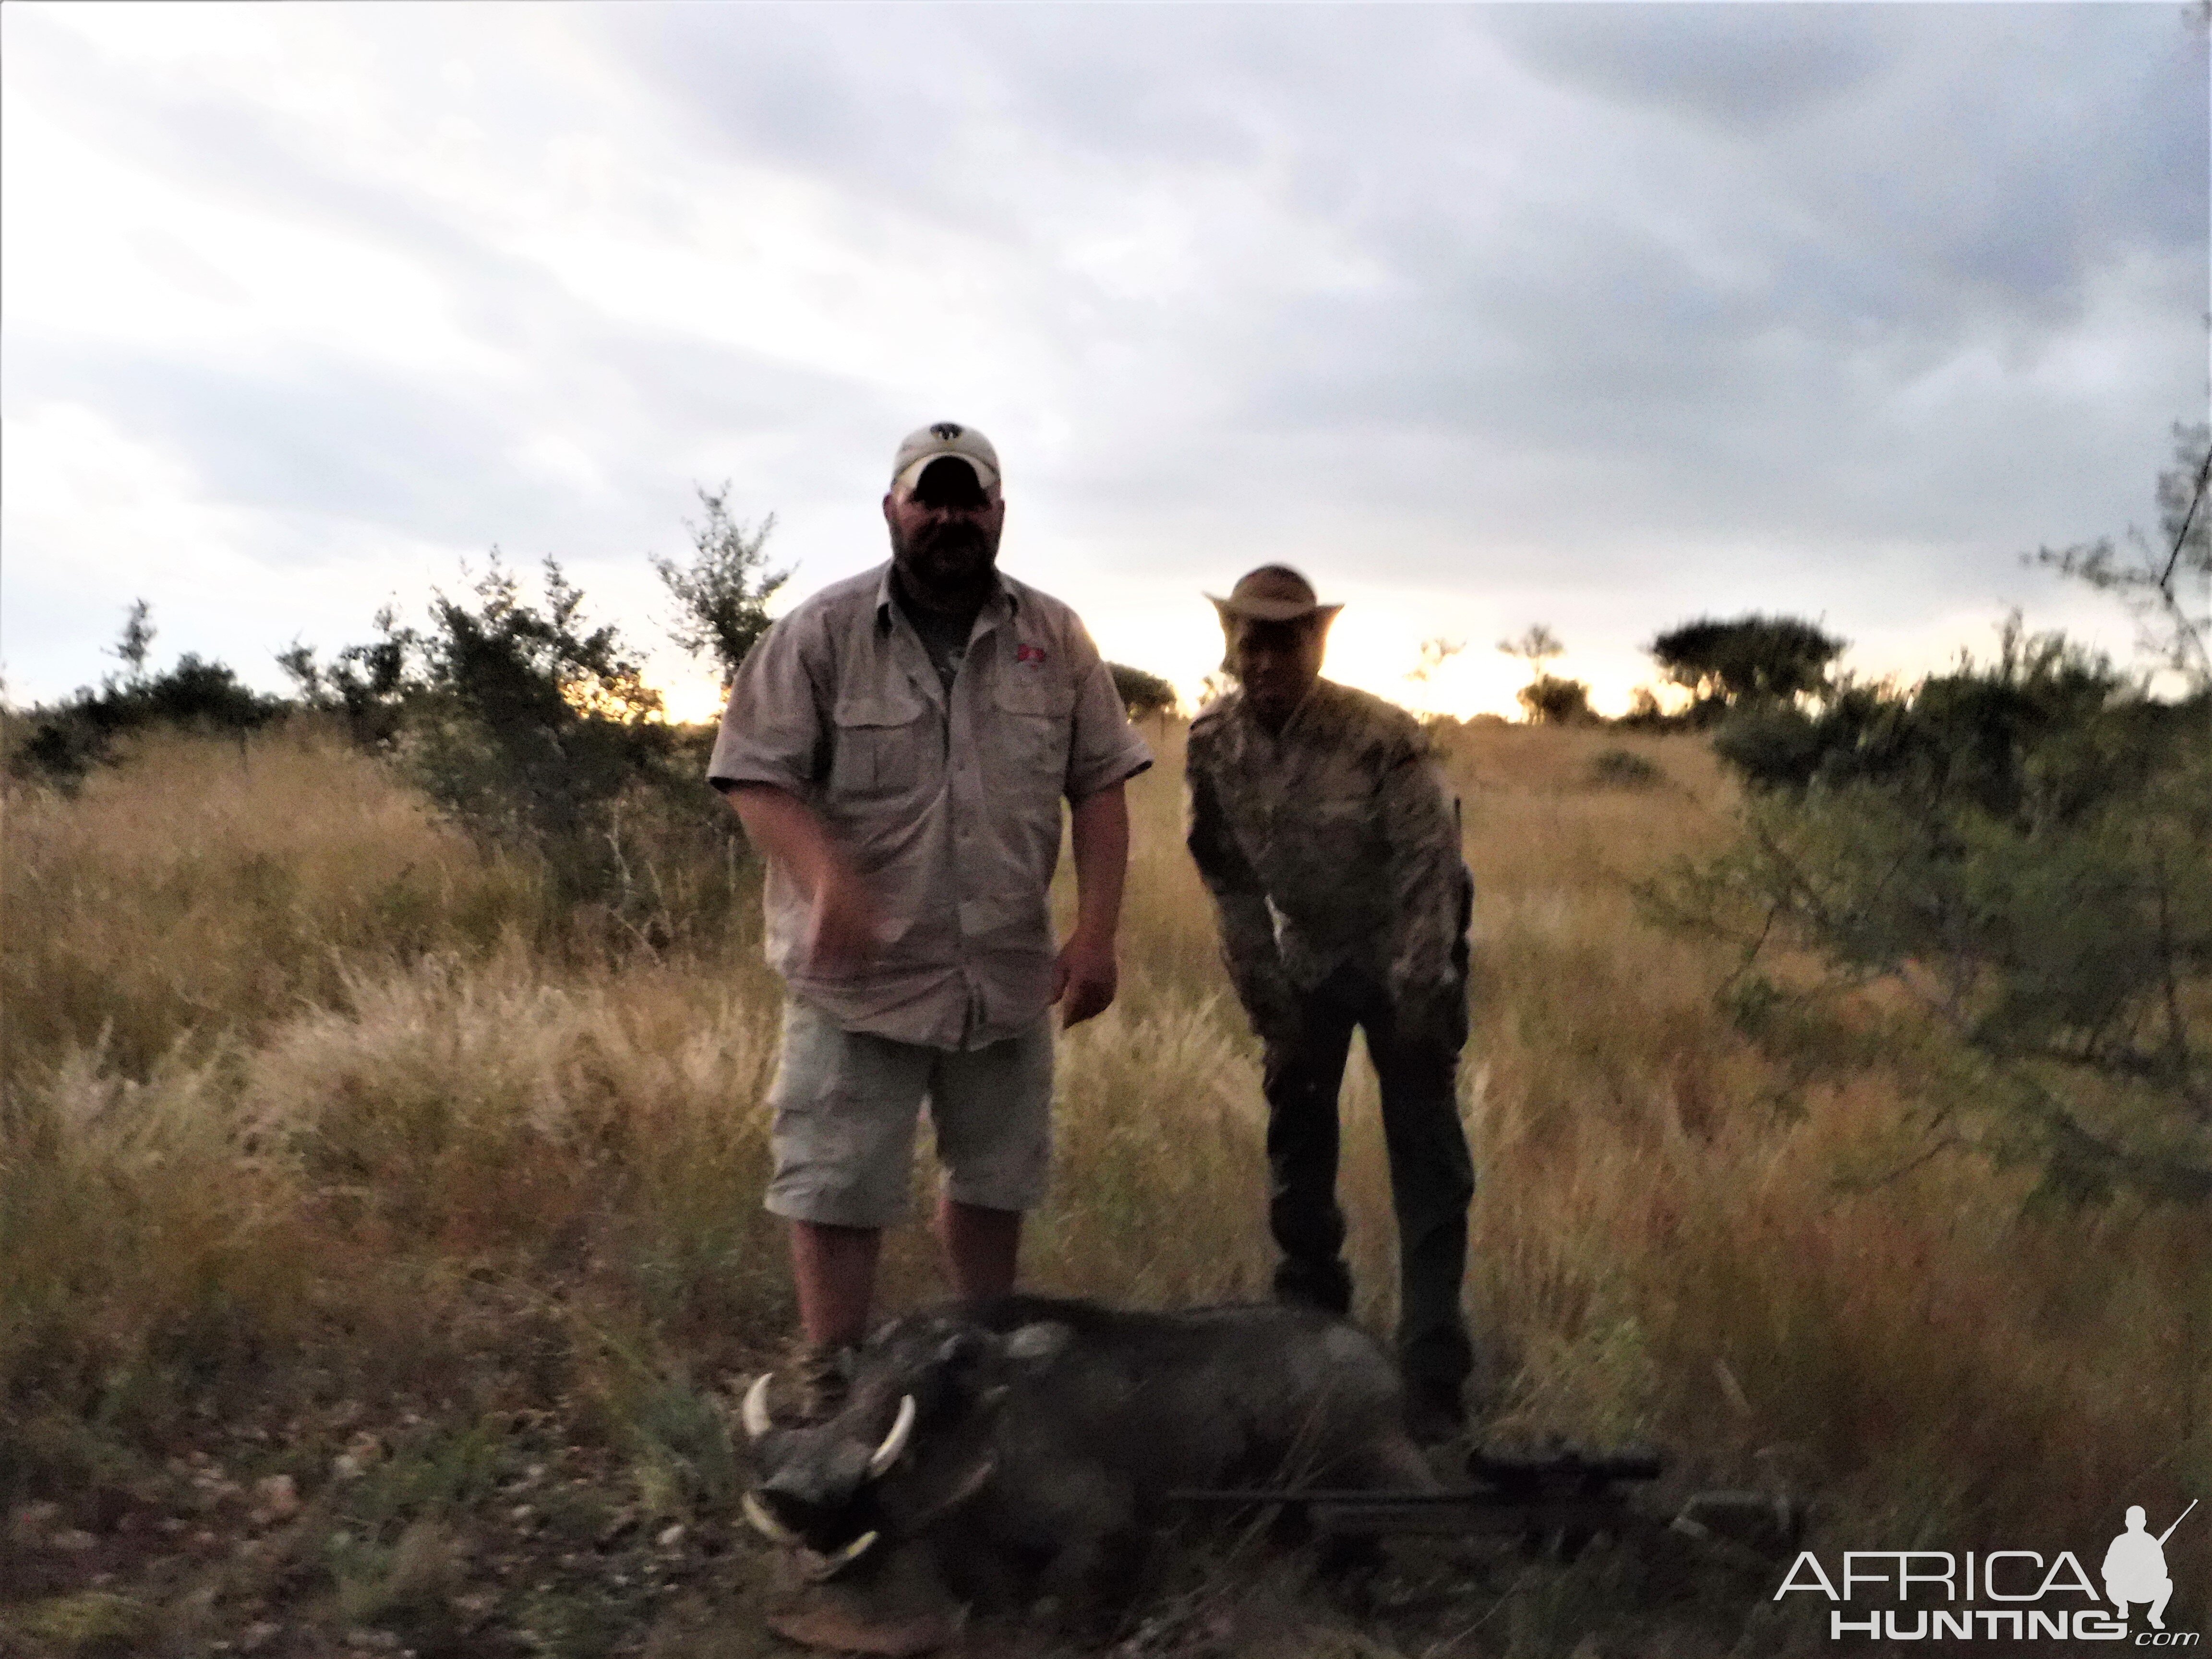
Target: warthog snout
[(816, 1491)]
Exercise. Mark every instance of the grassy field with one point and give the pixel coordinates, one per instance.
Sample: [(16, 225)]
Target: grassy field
[(378, 1243)]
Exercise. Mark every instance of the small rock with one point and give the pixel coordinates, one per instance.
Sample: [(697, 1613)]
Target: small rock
[(276, 1497), (258, 1635), (75, 1540), (362, 1452), (670, 1537), (620, 1523)]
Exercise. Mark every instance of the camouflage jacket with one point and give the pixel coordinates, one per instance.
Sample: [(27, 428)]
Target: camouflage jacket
[(1335, 842)]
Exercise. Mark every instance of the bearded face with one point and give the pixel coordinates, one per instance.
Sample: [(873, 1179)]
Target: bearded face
[(944, 553), (945, 534)]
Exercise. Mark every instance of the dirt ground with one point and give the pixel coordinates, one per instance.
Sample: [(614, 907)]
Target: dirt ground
[(416, 1528)]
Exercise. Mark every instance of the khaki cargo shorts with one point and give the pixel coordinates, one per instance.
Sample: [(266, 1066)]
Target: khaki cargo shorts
[(846, 1104)]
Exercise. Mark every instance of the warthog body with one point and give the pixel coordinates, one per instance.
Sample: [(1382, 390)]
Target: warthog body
[(1027, 1445)]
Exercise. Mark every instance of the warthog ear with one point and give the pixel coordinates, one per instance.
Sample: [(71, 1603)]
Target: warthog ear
[(962, 1352), (1034, 1345)]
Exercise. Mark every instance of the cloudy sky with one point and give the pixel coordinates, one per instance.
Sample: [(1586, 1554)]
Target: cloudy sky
[(1599, 316)]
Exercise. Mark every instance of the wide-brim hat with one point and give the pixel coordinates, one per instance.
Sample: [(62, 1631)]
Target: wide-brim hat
[(1274, 593)]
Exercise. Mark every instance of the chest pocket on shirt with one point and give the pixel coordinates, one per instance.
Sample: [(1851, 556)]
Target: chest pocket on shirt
[(1334, 819), (1036, 714), (879, 746)]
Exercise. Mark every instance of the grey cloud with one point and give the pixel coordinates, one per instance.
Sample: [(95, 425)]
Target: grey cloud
[(1751, 364), (885, 98), (1625, 278), (1752, 67), (337, 437)]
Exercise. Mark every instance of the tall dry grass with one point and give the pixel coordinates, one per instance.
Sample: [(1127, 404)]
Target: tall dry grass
[(209, 888), (299, 1095)]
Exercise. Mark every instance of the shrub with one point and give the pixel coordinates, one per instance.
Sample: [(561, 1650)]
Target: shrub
[(1142, 694), (1551, 701), (722, 597), (1623, 768), (65, 741), (1747, 661), (2017, 852), (536, 732)]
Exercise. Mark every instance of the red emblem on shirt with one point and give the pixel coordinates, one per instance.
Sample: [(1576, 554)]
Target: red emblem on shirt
[(1029, 654)]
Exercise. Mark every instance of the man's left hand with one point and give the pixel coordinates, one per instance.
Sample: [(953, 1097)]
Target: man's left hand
[(1432, 1012), (1084, 979)]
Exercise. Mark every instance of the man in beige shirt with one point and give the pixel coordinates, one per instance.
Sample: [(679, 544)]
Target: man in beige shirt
[(898, 748)]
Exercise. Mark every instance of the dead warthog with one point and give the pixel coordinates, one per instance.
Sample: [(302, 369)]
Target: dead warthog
[(1024, 1447)]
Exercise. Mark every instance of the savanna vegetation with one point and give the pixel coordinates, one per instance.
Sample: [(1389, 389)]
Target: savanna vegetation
[(380, 1236), (382, 1145)]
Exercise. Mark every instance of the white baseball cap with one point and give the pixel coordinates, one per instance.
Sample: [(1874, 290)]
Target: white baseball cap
[(936, 441)]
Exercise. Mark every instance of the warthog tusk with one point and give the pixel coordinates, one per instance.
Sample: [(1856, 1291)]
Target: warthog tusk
[(767, 1525), (894, 1442), (755, 1412), (830, 1565)]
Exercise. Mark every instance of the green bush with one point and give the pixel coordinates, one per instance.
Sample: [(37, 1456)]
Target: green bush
[(533, 730), (1550, 699), (1624, 768), (59, 744), (1746, 662), (2019, 852), (1142, 694)]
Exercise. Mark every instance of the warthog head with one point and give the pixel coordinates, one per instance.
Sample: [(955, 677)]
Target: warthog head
[(912, 1444)]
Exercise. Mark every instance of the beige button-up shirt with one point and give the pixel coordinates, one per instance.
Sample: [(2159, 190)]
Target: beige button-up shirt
[(948, 804)]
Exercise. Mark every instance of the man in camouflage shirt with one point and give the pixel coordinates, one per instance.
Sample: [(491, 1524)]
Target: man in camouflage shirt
[(1323, 829)]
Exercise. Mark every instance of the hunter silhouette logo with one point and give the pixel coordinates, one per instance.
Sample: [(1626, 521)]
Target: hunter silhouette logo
[(1999, 1595), (2135, 1566)]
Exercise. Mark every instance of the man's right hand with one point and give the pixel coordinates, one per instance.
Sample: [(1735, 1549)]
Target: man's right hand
[(840, 933), (1272, 1010), (843, 934)]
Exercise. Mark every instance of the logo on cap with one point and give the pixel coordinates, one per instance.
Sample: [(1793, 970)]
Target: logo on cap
[(948, 430)]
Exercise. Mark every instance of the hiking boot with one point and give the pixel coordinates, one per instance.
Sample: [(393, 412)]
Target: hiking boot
[(821, 1371), (810, 1385), (1435, 1413), (1325, 1283)]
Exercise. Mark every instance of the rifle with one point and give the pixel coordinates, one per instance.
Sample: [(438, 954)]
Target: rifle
[(2177, 1520), (1562, 1498)]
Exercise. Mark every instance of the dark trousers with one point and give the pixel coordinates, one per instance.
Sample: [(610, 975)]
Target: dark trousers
[(1432, 1175)]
